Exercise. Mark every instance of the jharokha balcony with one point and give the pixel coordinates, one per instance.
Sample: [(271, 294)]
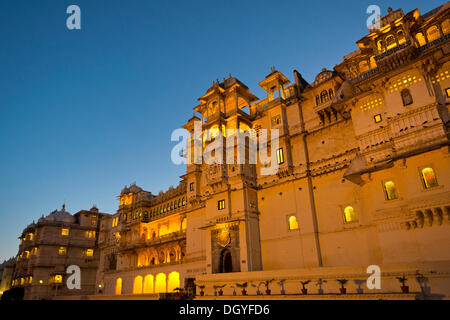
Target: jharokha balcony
[(142, 243)]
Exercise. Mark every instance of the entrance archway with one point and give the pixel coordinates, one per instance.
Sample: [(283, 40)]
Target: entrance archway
[(226, 263)]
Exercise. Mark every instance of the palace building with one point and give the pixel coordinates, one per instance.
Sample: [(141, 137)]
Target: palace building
[(48, 247), (363, 180)]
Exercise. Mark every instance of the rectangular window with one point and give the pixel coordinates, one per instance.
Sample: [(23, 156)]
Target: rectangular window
[(280, 156), (90, 234), (65, 231), (62, 251), (390, 190), (221, 204), (378, 118), (191, 187)]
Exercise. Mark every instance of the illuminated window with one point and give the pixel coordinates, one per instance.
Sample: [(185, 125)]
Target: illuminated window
[(363, 66), (119, 286), (421, 39), (293, 223), (401, 37), (406, 97), (380, 47), (280, 156), (447, 92), (428, 178), (349, 215), (137, 285), (191, 187), (62, 251), (446, 26), (324, 96), (57, 278), (390, 42), (221, 204), (65, 231), (276, 120), (433, 33), (89, 252), (377, 118), (390, 191)]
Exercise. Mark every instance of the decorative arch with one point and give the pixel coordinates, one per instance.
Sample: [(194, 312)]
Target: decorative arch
[(149, 284), (433, 33), (173, 281), (324, 96), (160, 283), (226, 261)]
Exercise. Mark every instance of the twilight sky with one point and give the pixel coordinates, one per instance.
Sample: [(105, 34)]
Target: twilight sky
[(83, 113)]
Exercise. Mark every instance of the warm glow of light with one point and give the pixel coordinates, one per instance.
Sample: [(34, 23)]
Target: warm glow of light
[(119, 286), (390, 190), (148, 283), (293, 223), (137, 285), (429, 178), (160, 283), (349, 214), (173, 282), (164, 230)]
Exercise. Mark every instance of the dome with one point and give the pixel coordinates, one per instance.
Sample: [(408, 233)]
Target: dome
[(61, 216), (323, 76)]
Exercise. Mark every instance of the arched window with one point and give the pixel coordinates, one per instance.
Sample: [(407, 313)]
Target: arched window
[(137, 285), (317, 100), (119, 286), (363, 66), (406, 97), (433, 33), (390, 191), (390, 42), (349, 214), (160, 283), (446, 27), (226, 262), (148, 284), (173, 281), (401, 37), (421, 39), (324, 96), (429, 178), (293, 224)]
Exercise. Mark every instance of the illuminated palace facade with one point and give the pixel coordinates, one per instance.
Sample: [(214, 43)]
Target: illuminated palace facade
[(363, 180), (52, 244)]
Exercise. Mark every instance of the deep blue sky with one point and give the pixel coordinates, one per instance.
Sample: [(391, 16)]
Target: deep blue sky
[(82, 113)]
